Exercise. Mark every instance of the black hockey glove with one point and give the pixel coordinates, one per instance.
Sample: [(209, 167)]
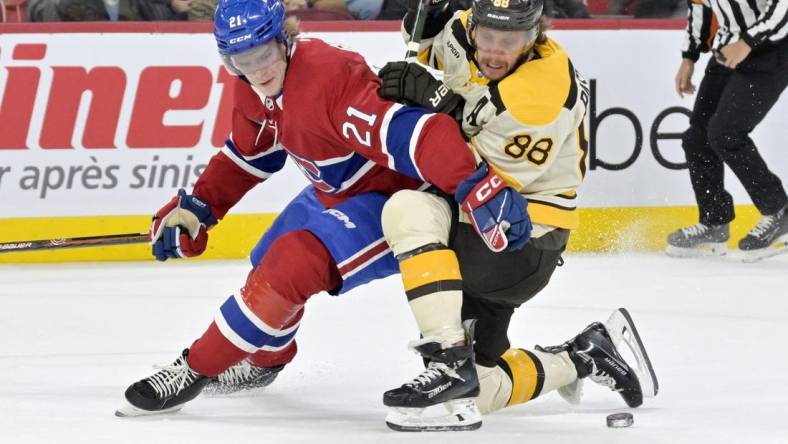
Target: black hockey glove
[(412, 84), (438, 14), (430, 5)]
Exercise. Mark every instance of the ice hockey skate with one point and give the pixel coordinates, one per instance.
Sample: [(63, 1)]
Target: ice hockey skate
[(165, 391), (449, 381), (621, 328), (699, 240), (595, 352), (768, 238), (241, 377)]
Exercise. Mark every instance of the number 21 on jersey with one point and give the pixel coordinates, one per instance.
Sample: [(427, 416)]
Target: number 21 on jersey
[(349, 127)]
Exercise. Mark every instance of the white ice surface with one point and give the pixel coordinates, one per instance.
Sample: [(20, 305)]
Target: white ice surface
[(72, 337)]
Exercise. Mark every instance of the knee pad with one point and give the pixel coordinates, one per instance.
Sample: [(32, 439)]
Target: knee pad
[(413, 219), (295, 267)]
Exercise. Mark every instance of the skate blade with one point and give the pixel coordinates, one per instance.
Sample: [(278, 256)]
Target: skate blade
[(622, 329), (778, 247), (702, 250), (129, 411), (463, 415)]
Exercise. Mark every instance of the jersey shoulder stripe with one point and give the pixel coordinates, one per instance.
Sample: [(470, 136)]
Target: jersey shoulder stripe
[(538, 90), (262, 165), (402, 135), (459, 30), (571, 98)]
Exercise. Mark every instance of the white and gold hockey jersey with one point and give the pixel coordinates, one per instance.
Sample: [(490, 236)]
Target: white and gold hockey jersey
[(531, 126)]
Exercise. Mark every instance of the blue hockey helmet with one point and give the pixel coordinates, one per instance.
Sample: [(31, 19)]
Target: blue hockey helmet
[(240, 25)]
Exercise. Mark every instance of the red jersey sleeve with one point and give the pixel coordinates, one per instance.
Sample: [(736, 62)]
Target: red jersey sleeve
[(410, 140)]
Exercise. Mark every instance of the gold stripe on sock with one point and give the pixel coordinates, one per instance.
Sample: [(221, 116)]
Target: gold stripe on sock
[(430, 267), (527, 375)]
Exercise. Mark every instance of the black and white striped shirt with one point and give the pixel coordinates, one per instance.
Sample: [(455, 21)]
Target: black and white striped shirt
[(754, 21)]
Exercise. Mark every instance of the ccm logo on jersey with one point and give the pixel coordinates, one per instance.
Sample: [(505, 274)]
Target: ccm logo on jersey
[(240, 39), (342, 217), (488, 187)]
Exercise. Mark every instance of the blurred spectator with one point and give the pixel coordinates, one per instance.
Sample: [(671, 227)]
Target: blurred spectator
[(333, 9), (622, 7), (295, 4), (395, 9), (364, 9), (202, 10), (660, 8), (566, 9), (42, 11), (336, 5), (103, 10), (649, 8), (392, 10)]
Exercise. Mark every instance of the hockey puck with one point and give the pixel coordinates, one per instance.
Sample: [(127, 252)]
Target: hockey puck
[(620, 420)]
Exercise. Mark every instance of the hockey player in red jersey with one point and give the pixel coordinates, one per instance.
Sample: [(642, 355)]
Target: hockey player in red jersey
[(318, 105)]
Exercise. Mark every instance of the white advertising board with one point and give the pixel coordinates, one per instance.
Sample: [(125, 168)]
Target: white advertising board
[(113, 124)]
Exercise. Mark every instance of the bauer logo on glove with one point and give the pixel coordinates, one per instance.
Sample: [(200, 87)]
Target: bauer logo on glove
[(411, 83)]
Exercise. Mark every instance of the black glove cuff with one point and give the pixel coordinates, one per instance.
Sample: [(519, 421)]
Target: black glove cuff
[(452, 105)]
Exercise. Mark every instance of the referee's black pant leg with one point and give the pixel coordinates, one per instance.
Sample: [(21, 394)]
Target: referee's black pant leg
[(745, 101), (706, 167)]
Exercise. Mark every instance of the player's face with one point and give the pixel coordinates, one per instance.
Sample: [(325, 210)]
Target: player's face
[(499, 50), (264, 67)]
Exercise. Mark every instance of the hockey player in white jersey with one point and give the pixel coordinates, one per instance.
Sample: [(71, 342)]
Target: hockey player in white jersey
[(522, 106)]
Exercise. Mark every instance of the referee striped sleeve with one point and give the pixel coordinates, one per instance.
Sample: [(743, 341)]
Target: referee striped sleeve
[(699, 30), (771, 25)]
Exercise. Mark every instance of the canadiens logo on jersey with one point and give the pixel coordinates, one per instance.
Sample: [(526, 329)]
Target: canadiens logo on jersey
[(312, 171), (269, 104), (335, 174)]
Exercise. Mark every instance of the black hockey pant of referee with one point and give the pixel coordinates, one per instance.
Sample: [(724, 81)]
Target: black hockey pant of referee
[(729, 105)]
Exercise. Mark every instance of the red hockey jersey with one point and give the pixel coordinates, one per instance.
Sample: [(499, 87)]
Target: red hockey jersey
[(331, 122)]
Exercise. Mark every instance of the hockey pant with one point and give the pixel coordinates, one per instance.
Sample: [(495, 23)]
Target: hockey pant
[(449, 275), (308, 249)]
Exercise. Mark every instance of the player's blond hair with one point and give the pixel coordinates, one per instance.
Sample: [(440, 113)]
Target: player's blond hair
[(292, 26), (544, 25)]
